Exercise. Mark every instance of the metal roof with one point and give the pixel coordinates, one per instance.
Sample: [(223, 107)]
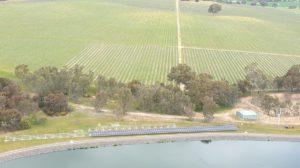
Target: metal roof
[(247, 112)]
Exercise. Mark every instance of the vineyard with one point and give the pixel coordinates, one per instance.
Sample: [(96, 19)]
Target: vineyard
[(145, 63), (138, 39), (230, 64)]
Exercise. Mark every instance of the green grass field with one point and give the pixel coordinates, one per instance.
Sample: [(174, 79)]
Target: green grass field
[(137, 39)]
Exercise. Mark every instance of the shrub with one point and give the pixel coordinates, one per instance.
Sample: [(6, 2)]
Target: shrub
[(24, 125), (215, 8), (55, 103), (292, 7), (35, 120), (10, 119)]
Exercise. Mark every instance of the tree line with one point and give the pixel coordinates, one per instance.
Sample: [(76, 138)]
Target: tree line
[(50, 89)]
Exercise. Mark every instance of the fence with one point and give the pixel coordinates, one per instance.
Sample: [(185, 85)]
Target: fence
[(45, 136), (85, 133)]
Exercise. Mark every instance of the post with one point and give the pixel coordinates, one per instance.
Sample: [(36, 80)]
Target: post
[(279, 115)]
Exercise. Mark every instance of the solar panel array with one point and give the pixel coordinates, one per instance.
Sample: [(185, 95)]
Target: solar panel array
[(197, 129)]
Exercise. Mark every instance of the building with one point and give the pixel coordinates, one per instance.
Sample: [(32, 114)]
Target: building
[(246, 115)]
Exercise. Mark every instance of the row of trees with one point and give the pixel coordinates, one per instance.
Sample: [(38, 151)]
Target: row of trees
[(51, 88), (258, 81), (258, 84), (273, 106), (121, 97), (200, 91)]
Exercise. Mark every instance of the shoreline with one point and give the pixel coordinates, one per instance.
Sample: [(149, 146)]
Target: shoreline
[(142, 139)]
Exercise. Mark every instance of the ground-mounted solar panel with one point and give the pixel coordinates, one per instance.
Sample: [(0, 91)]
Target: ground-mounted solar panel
[(197, 129)]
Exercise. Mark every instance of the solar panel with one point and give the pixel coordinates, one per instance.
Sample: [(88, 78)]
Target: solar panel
[(197, 129)]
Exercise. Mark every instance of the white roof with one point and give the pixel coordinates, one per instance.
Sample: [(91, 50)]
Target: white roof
[(247, 112)]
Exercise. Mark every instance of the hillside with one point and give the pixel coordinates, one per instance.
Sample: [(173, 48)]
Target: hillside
[(138, 39)]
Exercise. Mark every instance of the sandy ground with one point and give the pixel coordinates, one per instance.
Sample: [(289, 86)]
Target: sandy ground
[(225, 116), (245, 103)]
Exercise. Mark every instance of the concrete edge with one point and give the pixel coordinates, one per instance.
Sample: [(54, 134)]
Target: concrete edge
[(143, 139)]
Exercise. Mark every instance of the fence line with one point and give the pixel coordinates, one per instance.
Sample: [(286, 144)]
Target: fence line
[(85, 133)]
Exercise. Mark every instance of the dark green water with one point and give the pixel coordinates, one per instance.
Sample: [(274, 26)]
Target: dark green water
[(217, 154)]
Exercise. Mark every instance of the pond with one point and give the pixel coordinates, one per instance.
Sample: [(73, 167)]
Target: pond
[(189, 154)]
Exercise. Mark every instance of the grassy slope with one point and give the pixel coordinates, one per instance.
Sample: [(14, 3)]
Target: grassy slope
[(74, 121), (135, 35), (241, 28), (236, 27), (51, 33), (81, 120), (7, 71)]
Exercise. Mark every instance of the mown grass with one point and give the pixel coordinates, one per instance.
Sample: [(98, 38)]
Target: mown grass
[(82, 120), (268, 129), (74, 121)]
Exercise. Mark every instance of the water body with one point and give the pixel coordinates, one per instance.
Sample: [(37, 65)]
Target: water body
[(197, 154)]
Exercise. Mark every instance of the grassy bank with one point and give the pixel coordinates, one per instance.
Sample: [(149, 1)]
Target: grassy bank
[(81, 120), (7, 71)]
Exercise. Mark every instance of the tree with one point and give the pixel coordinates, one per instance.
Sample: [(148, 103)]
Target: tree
[(21, 71), (27, 105), (275, 5), (291, 80), (278, 82), (263, 3), (55, 104), (258, 79), (124, 101), (181, 74), (10, 119), (244, 86), (200, 87), (110, 86), (224, 94), (101, 100), (11, 97), (296, 109), (134, 86), (188, 110), (214, 8), (270, 103), (165, 100), (2, 102), (70, 81), (79, 82), (209, 106)]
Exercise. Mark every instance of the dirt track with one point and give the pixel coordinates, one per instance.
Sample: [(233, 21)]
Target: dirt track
[(225, 116)]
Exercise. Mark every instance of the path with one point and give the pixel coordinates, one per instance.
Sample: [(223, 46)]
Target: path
[(179, 45)]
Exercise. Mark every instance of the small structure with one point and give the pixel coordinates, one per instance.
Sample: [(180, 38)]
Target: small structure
[(246, 115)]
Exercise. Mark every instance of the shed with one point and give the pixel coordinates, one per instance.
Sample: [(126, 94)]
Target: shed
[(246, 114)]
